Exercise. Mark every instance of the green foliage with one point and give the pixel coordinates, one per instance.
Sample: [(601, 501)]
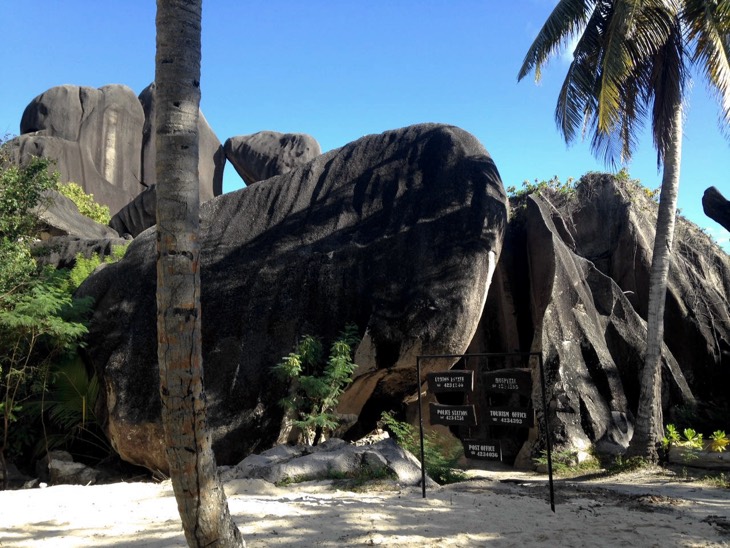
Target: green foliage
[(718, 441), (440, 454), (21, 193), (85, 202), (84, 266), (671, 436), (566, 462), (692, 439), (69, 404), (622, 464), (317, 387), (38, 325), (554, 185), (40, 321)]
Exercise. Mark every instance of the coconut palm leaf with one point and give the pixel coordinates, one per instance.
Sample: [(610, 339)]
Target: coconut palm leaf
[(566, 20)]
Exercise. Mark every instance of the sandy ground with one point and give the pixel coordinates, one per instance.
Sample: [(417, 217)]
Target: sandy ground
[(640, 509)]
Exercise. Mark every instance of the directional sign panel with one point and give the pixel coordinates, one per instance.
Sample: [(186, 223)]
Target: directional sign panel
[(451, 381), (482, 449), (453, 414), (509, 380), (511, 416)]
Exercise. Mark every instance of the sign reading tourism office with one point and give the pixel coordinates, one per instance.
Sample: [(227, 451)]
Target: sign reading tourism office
[(511, 416), (451, 381)]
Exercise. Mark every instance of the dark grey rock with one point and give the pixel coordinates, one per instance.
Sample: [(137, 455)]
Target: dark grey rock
[(60, 217), (398, 233), (61, 251), (266, 154), (138, 215), (64, 233), (211, 157), (572, 284), (93, 135), (716, 207)]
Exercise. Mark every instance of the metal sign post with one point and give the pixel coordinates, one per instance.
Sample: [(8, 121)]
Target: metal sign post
[(515, 380)]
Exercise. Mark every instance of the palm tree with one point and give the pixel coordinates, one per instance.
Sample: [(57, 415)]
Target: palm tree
[(199, 493), (631, 62)]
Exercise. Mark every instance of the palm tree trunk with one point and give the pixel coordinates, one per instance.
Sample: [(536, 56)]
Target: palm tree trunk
[(199, 493), (649, 419)]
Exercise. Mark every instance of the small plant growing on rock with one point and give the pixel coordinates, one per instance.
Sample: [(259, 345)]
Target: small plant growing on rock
[(317, 387), (85, 202), (719, 441)]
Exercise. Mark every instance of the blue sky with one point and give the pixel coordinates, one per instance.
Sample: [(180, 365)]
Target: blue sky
[(341, 69)]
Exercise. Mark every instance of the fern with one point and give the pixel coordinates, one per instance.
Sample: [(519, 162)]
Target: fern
[(316, 389)]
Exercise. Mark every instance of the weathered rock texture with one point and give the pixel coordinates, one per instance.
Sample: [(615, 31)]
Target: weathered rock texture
[(64, 233), (572, 284), (398, 233), (93, 135), (266, 154), (211, 158), (333, 457), (716, 207), (138, 215)]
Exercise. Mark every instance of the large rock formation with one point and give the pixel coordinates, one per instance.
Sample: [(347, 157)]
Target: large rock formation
[(93, 135), (398, 233), (266, 154), (716, 207), (211, 158), (572, 284)]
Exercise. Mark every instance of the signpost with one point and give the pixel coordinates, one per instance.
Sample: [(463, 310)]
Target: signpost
[(509, 381), (483, 449), (504, 381), (511, 416), (456, 415), (451, 381)]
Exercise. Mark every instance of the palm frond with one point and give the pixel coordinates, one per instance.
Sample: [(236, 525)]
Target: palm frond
[(565, 21), (708, 30), (617, 62), (576, 99)]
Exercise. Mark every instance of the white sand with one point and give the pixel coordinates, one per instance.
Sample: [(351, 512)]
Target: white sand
[(500, 509)]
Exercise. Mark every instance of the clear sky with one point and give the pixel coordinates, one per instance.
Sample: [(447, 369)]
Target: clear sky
[(341, 69)]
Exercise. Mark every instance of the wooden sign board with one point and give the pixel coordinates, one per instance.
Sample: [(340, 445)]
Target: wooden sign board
[(482, 449), (463, 415), (509, 380), (451, 381), (511, 416)]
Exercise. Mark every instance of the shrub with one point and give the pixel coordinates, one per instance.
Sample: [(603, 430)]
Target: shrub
[(440, 454), (316, 387), (85, 202)]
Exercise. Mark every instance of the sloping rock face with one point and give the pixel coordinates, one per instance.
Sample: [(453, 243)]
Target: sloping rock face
[(585, 258), (211, 158), (65, 233), (266, 154), (94, 136), (398, 233)]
